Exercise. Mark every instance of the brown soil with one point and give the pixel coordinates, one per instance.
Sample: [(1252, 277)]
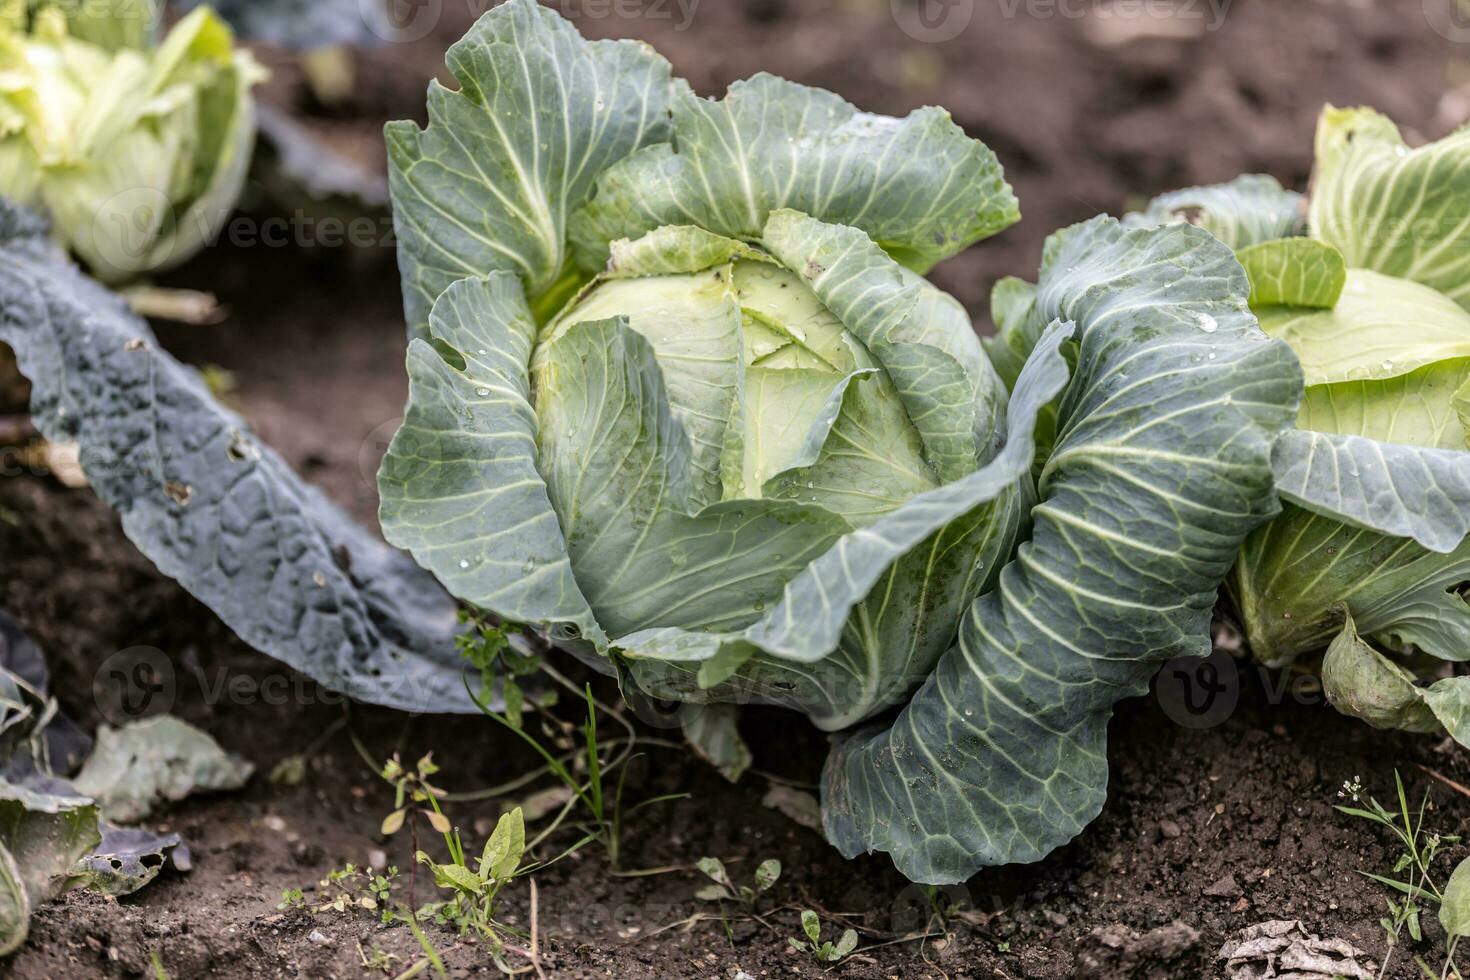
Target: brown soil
[(1214, 828)]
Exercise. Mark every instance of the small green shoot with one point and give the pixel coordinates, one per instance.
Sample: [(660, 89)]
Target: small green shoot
[(605, 809), (1412, 878), (488, 649), (823, 952), (473, 891), (725, 890)]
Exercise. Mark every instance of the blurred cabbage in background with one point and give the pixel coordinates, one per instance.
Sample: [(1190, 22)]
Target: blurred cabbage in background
[(135, 150)]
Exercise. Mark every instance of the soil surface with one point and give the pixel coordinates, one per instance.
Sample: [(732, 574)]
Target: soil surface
[(1207, 830)]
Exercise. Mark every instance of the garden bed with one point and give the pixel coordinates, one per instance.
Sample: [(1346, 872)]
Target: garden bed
[(1206, 831)]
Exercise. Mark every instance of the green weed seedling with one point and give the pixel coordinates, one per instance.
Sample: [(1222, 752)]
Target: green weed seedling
[(473, 891), (1413, 878), (823, 952), (725, 890)]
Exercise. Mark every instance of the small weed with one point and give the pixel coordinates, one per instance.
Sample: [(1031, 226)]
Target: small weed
[(823, 952), (471, 907), (724, 889), (602, 802), (348, 887), (1413, 876), (376, 959), (488, 649)]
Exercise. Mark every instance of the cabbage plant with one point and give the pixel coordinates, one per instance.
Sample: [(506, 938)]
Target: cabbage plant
[(682, 400), (1368, 280), (136, 152)]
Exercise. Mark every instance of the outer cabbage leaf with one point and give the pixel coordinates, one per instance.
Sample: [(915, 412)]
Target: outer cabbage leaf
[(42, 837), (1249, 209), (918, 186), (1363, 683), (1397, 490), (1160, 467), (211, 506), (1399, 211), (459, 484), (540, 114), (1382, 327)]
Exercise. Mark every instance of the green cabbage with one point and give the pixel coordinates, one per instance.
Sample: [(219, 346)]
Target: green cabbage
[(681, 398), (137, 155), (1374, 299)]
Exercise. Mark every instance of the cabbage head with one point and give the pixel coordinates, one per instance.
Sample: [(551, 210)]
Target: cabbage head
[(135, 153), (682, 399), (1369, 283)]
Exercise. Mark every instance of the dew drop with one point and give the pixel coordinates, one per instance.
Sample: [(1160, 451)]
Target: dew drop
[(760, 605), (1208, 323), (482, 392), (1388, 365), (463, 563), (529, 566)]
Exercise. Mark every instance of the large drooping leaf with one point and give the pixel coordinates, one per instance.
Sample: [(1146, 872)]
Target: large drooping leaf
[(539, 115), (918, 186), (1160, 467), (1249, 209), (210, 505), (1363, 683), (1398, 211)]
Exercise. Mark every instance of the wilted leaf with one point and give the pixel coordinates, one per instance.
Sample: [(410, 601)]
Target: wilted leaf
[(128, 858), (145, 763)]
